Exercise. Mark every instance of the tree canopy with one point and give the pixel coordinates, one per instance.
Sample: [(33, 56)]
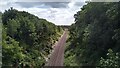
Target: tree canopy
[(96, 29), (27, 39)]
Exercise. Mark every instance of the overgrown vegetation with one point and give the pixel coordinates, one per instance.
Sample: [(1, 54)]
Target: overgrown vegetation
[(0, 39), (26, 39), (112, 60), (96, 29)]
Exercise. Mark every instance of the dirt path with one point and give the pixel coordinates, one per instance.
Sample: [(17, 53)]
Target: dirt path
[(57, 56)]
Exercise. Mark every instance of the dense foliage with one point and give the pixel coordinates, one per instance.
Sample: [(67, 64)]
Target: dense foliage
[(27, 40), (112, 60), (0, 39), (96, 29)]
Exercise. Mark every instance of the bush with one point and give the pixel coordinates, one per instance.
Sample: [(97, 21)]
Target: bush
[(112, 60)]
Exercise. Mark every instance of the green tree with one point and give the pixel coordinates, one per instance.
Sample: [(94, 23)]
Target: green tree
[(112, 60), (96, 29), (27, 39)]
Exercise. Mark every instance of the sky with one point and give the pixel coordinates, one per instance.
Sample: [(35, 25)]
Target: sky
[(59, 12)]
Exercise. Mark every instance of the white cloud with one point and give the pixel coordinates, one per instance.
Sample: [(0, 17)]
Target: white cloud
[(59, 16), (49, 0)]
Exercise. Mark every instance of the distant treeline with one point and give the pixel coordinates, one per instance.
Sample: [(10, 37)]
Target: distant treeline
[(64, 26)]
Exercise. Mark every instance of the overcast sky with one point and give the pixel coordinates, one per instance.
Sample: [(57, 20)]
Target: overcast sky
[(59, 12)]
